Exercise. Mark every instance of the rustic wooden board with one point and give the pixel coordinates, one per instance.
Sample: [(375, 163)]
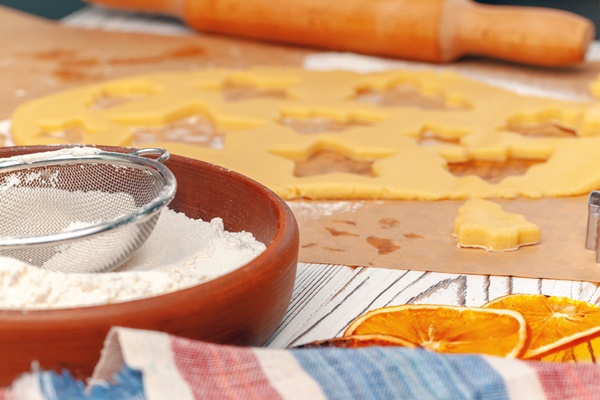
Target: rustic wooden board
[(39, 57), (49, 57), (327, 298)]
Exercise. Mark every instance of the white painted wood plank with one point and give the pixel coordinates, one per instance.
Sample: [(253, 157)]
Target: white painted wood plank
[(315, 287), (525, 285), (553, 287), (328, 297), (477, 292), (498, 286), (583, 290)]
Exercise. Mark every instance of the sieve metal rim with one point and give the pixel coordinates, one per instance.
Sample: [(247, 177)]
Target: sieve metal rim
[(133, 159)]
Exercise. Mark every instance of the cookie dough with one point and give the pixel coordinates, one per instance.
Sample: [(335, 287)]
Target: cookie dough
[(595, 87), (484, 224), (289, 129)]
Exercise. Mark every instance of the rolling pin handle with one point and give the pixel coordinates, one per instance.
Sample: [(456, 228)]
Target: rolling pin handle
[(531, 35)]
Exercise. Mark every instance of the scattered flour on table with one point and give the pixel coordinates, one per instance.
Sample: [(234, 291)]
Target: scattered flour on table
[(317, 209), (180, 253)]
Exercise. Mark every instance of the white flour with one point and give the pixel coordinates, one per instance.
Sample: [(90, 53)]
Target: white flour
[(46, 155), (180, 253), (41, 210), (317, 209)]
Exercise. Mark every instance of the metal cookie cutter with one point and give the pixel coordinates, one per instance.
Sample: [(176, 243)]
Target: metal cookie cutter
[(592, 239)]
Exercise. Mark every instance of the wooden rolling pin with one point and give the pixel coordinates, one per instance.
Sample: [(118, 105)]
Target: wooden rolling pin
[(425, 30)]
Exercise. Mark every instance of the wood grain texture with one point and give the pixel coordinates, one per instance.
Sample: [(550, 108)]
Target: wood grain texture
[(327, 298)]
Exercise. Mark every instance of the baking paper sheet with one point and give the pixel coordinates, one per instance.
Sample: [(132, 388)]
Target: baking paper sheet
[(418, 235), (405, 235)]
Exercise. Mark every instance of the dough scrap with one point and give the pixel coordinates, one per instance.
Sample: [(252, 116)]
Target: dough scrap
[(265, 121), (595, 87), (484, 224)]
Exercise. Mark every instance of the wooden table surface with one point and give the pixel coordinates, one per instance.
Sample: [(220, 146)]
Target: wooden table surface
[(48, 57), (39, 57)]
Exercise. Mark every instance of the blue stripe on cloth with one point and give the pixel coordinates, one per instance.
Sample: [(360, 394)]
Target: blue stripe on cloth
[(400, 373), (127, 386)]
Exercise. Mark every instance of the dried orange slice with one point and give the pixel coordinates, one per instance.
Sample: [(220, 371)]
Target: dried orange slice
[(356, 341), (583, 353), (555, 322), (448, 329)]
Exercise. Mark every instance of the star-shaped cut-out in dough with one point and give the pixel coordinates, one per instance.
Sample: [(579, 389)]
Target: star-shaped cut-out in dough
[(404, 95), (329, 161), (113, 95), (543, 129), (431, 138), (492, 171), (237, 92), (547, 122), (195, 130), (69, 135), (484, 224), (109, 101), (320, 124)]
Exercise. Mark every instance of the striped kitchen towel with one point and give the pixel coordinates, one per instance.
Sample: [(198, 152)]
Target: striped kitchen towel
[(152, 365)]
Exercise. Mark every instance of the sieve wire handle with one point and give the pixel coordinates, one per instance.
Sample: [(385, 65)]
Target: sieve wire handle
[(163, 154)]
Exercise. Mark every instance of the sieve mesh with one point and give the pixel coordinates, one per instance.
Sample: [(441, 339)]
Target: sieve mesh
[(82, 214)]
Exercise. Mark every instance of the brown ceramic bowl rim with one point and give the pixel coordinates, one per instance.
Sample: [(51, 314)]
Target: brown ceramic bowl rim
[(287, 225)]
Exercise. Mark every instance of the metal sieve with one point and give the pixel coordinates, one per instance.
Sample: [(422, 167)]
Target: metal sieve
[(81, 209)]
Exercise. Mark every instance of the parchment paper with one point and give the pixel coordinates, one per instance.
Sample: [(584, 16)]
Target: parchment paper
[(418, 236), (406, 235)]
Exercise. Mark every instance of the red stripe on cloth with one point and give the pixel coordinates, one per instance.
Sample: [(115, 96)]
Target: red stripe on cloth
[(563, 381), (221, 372)]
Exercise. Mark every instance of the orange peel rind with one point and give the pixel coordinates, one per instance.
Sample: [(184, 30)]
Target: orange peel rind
[(449, 329), (556, 323)]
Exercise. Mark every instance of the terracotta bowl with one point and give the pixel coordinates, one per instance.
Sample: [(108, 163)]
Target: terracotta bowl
[(243, 307)]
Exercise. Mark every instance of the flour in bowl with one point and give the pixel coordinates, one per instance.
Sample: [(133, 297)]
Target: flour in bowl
[(47, 155), (180, 253)]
